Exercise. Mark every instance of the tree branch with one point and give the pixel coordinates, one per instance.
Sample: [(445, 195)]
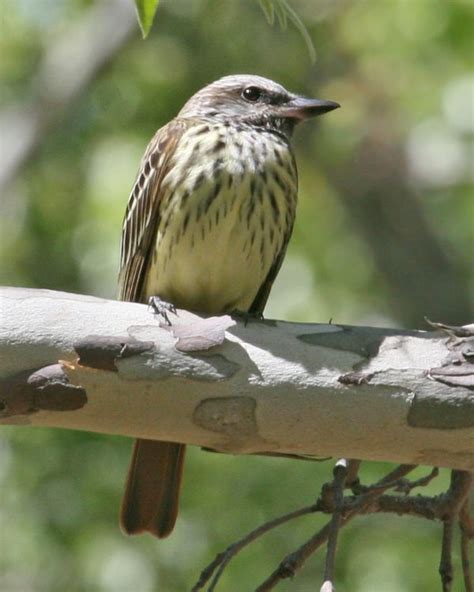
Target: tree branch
[(340, 475), (295, 561), (80, 362), (368, 499)]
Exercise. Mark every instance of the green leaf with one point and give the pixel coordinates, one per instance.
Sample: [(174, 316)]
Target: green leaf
[(282, 15), (284, 12), (268, 9), (301, 28), (146, 10)]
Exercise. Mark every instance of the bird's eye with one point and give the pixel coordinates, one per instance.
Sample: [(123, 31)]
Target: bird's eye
[(252, 94)]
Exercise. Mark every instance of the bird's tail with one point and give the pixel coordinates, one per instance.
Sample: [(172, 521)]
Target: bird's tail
[(150, 502)]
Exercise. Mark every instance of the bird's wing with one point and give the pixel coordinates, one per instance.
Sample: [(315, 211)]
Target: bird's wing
[(261, 298), (263, 293), (142, 214)]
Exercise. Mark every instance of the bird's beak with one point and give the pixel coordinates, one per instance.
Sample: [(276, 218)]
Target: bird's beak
[(301, 108)]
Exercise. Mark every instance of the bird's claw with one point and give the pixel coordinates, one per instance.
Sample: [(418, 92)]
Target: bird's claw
[(162, 308)]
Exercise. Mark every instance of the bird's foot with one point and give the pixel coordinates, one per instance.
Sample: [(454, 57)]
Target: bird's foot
[(246, 316), (162, 308)]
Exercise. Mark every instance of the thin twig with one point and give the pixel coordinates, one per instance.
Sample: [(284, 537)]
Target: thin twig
[(421, 506), (405, 486), (223, 558), (466, 525), (359, 489), (466, 520), (445, 507), (458, 492), (451, 505), (445, 564), (353, 467), (294, 561), (340, 474)]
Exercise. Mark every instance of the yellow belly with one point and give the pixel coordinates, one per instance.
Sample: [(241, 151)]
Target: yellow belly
[(214, 249)]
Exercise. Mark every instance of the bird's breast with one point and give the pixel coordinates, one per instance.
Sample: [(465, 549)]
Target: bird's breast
[(227, 211)]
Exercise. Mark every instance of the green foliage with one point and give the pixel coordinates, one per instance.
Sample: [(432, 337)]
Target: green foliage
[(146, 10), (283, 11)]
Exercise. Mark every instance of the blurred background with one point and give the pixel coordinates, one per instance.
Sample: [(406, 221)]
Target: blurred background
[(384, 236)]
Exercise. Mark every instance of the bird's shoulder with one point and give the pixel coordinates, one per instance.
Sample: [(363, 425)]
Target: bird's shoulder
[(164, 142), (154, 162)]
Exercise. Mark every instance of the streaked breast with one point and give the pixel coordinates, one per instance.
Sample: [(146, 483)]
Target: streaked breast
[(228, 209)]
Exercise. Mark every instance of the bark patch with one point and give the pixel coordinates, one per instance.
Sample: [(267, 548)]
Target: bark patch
[(45, 389), (449, 413), (101, 352), (233, 416)]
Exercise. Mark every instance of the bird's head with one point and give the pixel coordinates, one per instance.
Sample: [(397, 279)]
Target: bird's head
[(254, 100)]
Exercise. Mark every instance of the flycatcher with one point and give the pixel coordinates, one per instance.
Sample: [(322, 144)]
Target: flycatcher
[(206, 229)]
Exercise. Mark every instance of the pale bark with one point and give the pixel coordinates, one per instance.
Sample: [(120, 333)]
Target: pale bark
[(81, 362)]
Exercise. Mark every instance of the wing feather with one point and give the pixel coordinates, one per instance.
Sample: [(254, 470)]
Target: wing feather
[(142, 214), (261, 298)]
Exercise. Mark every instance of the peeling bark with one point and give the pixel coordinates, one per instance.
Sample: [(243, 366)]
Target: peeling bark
[(85, 363)]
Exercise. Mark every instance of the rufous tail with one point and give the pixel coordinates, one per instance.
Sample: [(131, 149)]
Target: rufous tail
[(151, 499)]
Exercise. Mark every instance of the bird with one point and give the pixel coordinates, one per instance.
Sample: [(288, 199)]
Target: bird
[(206, 229)]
